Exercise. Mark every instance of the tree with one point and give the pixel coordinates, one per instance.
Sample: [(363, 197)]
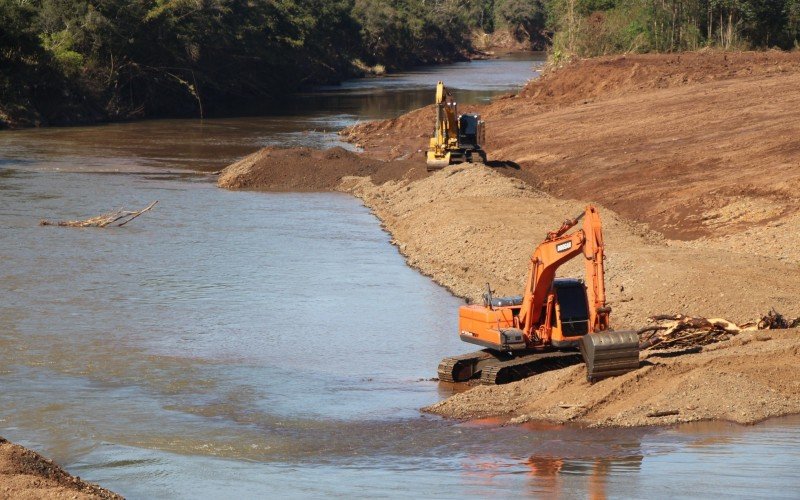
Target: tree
[(525, 18), (792, 29)]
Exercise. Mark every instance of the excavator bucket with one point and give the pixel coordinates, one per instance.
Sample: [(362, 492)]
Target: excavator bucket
[(608, 354), (437, 163)]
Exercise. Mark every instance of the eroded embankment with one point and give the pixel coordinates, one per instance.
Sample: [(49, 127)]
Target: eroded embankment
[(26, 474), (693, 145)]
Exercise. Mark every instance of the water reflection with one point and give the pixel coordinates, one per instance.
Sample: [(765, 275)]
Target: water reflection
[(546, 473)]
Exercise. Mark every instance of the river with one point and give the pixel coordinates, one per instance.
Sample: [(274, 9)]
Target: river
[(233, 344)]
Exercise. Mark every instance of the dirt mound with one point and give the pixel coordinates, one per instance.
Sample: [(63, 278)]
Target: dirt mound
[(746, 379), (690, 161), (305, 169), (694, 145), (613, 76), (26, 474), (397, 138)]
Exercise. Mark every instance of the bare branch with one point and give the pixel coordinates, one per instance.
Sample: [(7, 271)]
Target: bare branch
[(103, 220)]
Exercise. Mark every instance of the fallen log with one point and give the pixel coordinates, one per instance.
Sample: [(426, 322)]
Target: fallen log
[(102, 220), (663, 413)]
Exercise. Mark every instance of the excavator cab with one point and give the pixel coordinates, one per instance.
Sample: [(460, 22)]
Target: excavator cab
[(572, 309), (471, 137)]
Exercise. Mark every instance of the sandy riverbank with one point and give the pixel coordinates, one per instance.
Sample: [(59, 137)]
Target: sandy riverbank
[(747, 379), (694, 162), (27, 475)]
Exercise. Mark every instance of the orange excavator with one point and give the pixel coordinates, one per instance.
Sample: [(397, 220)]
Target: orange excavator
[(544, 328)]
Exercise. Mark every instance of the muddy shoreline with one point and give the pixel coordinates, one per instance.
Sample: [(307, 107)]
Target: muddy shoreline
[(691, 227), (27, 474)]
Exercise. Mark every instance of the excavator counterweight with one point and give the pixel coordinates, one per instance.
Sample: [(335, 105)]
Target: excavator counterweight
[(544, 328)]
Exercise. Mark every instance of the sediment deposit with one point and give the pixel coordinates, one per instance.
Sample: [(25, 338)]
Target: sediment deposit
[(26, 474)]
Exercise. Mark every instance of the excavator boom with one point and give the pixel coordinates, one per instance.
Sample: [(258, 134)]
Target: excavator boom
[(555, 250)]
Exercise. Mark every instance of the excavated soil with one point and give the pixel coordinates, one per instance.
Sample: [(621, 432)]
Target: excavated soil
[(694, 162), (305, 169), (693, 145), (25, 474), (489, 224)]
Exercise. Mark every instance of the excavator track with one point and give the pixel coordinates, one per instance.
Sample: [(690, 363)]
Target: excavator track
[(520, 367), (466, 366), (501, 368)]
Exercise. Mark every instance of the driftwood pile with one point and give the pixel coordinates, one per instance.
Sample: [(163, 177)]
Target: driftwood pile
[(679, 331), (102, 220)]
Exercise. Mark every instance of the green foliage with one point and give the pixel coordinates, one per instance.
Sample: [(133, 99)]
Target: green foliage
[(408, 32), (60, 45), (792, 13), (187, 57), (522, 17), (62, 60), (26, 69), (594, 27)]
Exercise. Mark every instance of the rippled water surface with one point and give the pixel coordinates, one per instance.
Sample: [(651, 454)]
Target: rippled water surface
[(249, 344)]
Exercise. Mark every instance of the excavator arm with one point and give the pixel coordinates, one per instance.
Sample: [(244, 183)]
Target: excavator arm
[(445, 134), (557, 249), (545, 261), (446, 119), (595, 270)]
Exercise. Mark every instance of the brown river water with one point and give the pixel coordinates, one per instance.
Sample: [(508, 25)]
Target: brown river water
[(233, 344)]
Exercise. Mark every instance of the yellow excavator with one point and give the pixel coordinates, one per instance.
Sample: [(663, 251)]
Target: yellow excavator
[(456, 138)]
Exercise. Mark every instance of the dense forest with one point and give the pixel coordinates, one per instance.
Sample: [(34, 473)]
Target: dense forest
[(68, 61), (596, 27)]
